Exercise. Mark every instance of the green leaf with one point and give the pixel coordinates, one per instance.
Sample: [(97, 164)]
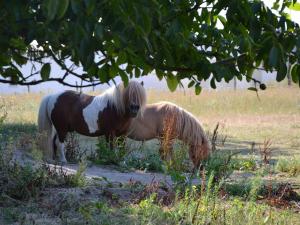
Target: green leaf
[(19, 59), (273, 56), (147, 23), (276, 5), (12, 73), (103, 73), (213, 83), (76, 6), (191, 84), (124, 77), (113, 71), (90, 6), (122, 58), (295, 7), (252, 89), (172, 82), (17, 43), (160, 74), (4, 60), (137, 72), (129, 69), (295, 72), (281, 73), (198, 89), (62, 8), (52, 9), (249, 74), (45, 71), (222, 19), (92, 71)]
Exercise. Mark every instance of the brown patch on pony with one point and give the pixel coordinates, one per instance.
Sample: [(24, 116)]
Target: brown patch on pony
[(67, 113), (72, 111), (111, 122), (67, 117)]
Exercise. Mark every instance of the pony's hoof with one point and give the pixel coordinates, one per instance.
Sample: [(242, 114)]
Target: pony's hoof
[(49, 161), (63, 163)]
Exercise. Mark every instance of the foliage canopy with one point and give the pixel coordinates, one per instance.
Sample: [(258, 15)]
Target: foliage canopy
[(175, 39)]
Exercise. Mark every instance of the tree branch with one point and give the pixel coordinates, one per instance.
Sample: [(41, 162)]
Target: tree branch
[(59, 80)]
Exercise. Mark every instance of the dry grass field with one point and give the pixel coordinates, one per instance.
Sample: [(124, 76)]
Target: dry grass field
[(244, 118)]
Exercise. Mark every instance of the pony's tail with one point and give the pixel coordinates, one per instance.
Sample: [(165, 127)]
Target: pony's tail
[(45, 129)]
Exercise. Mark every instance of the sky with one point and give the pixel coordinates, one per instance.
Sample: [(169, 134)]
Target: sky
[(150, 81)]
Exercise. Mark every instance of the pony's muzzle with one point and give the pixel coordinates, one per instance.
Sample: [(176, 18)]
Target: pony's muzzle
[(134, 110)]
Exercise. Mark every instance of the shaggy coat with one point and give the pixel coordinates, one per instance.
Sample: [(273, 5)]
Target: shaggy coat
[(167, 121), (107, 114)]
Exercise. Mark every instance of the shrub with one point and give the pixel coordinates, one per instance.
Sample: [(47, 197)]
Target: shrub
[(148, 162), (290, 166), (244, 164), (104, 155), (78, 179), (220, 164), (20, 182), (23, 182)]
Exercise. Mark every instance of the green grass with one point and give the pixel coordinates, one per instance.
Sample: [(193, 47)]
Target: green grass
[(191, 209), (289, 165)]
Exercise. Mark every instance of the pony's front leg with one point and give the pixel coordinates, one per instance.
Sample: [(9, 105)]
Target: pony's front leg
[(112, 141), (110, 138)]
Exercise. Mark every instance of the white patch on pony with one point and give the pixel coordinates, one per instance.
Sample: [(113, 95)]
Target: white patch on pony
[(91, 112), (115, 97), (61, 149)]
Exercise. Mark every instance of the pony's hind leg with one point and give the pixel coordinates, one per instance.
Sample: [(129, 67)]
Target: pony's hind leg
[(59, 138), (61, 150)]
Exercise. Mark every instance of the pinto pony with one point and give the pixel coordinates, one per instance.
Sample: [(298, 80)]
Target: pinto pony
[(109, 114), (167, 121)]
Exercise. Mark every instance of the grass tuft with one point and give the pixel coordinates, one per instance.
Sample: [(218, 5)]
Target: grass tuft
[(289, 165)]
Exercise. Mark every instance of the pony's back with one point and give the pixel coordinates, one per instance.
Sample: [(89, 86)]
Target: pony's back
[(148, 126)]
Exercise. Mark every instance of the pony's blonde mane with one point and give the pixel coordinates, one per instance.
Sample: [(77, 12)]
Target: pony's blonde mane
[(188, 128), (118, 96)]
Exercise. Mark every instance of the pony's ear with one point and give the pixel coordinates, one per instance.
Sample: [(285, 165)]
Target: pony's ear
[(142, 83)]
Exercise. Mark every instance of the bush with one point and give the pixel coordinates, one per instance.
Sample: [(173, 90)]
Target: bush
[(23, 182), (104, 155), (244, 164), (290, 166), (220, 164), (148, 162), (20, 182)]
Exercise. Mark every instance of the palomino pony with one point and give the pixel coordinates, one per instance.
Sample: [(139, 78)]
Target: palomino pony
[(167, 121), (109, 114)]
